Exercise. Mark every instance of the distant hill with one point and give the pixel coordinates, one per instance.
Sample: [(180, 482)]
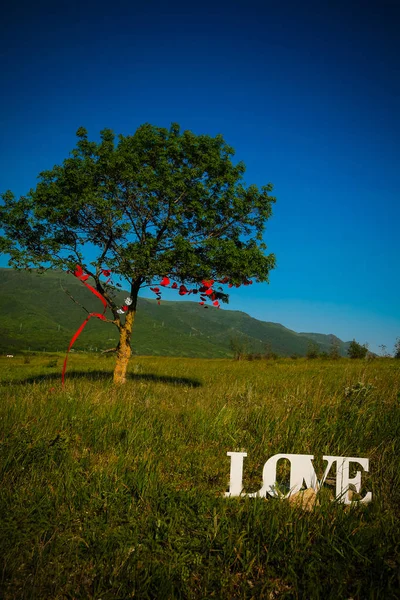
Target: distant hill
[(37, 314), (325, 342)]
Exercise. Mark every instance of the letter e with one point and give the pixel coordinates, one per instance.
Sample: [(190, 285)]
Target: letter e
[(343, 479)]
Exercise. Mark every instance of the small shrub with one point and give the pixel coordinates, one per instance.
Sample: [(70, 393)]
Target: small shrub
[(253, 356), (51, 363), (271, 356), (239, 348), (334, 351), (313, 350), (27, 360)]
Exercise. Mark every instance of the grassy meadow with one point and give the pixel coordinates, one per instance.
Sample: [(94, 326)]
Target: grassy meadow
[(116, 493)]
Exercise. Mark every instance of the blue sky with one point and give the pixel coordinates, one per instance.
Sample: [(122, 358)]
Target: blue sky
[(306, 92)]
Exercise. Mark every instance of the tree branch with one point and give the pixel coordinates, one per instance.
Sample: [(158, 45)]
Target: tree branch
[(73, 299)]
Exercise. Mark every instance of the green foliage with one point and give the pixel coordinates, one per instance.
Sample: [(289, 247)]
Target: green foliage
[(327, 342), (158, 202), (118, 493), (261, 356), (269, 353), (271, 356), (334, 351), (356, 350), (396, 351), (239, 347), (52, 363), (312, 351)]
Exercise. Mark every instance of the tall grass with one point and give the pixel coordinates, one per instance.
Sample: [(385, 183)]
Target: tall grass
[(114, 493)]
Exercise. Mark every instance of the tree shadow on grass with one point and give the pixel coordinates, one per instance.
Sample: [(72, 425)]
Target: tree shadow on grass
[(106, 376)]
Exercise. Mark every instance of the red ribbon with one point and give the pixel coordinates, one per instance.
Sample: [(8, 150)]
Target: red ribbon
[(82, 277), (205, 289)]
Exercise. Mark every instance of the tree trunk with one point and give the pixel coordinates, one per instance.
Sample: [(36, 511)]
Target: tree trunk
[(124, 345), (124, 348)]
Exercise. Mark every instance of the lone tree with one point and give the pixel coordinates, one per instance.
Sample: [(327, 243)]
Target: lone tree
[(156, 204), (355, 350)]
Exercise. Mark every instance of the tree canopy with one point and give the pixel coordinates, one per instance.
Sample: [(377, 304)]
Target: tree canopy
[(356, 350), (157, 202)]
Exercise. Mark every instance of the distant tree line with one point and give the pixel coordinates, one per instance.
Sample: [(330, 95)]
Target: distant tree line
[(240, 349)]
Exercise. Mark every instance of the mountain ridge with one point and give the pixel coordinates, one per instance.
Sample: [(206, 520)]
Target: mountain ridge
[(36, 314)]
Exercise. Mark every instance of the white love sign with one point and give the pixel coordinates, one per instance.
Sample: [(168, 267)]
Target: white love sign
[(302, 473)]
